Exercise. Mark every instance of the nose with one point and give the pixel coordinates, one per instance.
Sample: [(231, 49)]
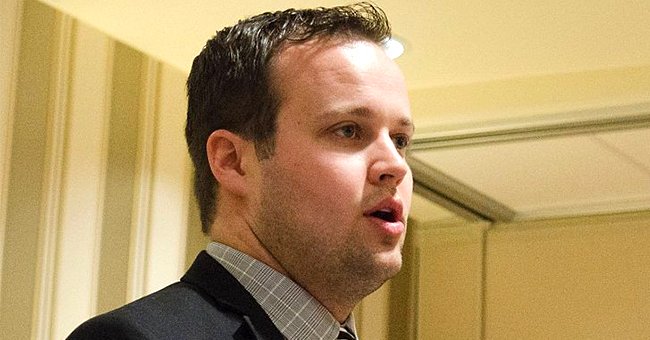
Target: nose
[(388, 166)]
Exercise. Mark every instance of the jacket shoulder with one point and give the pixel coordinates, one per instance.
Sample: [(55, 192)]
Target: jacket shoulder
[(179, 311)]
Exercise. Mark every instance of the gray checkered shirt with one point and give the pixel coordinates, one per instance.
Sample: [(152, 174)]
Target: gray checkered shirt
[(296, 313)]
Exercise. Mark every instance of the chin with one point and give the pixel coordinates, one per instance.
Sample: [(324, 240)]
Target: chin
[(384, 271), (375, 271), (389, 264)]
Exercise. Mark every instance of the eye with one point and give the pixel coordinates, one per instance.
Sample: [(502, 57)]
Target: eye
[(348, 131), (401, 141)]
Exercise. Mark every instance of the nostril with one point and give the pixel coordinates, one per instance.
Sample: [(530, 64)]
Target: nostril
[(389, 180), (384, 177)]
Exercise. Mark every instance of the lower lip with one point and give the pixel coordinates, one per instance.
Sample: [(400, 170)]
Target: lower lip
[(389, 228)]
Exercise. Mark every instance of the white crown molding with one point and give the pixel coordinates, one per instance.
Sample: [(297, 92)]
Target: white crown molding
[(462, 199), (594, 207), (612, 118), (456, 196)]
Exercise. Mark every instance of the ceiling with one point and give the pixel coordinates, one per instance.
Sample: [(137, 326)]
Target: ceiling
[(524, 109)]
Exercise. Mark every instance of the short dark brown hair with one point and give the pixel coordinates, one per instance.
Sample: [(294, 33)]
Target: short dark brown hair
[(229, 87)]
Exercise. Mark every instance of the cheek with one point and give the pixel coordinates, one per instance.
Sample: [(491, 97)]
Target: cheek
[(331, 179)]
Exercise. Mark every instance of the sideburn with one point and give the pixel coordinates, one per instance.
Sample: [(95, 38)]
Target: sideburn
[(265, 149)]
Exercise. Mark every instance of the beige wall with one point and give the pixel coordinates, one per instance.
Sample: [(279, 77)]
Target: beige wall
[(582, 278), (95, 211), (572, 278)]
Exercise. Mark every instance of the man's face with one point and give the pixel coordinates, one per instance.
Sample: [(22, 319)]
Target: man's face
[(331, 202)]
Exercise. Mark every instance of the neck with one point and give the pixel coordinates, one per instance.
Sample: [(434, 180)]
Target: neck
[(251, 246), (338, 295), (245, 241)]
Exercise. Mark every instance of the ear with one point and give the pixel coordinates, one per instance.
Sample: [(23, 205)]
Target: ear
[(225, 150)]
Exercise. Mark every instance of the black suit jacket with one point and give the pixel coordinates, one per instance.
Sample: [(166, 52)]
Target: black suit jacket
[(207, 303)]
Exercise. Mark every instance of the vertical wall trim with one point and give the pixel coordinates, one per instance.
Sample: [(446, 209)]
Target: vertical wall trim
[(120, 178), (417, 265), (52, 180), (11, 25), (484, 259), (84, 180), (144, 181), (101, 189), (169, 199)]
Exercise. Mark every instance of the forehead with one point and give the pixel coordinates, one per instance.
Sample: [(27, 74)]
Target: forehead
[(339, 76), (310, 55)]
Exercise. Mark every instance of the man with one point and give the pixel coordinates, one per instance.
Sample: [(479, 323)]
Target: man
[(303, 121)]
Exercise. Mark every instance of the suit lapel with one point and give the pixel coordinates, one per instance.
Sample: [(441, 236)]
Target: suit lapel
[(209, 275)]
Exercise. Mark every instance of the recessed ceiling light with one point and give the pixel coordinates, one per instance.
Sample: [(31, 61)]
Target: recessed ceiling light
[(393, 47)]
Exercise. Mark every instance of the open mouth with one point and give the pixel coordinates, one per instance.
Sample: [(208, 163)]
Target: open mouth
[(386, 215)]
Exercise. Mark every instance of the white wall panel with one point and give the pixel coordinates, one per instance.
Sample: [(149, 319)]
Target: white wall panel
[(60, 209), (10, 23), (170, 189), (52, 178), (84, 178), (121, 173), (24, 170), (136, 284)]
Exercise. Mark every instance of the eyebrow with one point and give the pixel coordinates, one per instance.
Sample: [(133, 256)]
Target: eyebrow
[(363, 112)]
